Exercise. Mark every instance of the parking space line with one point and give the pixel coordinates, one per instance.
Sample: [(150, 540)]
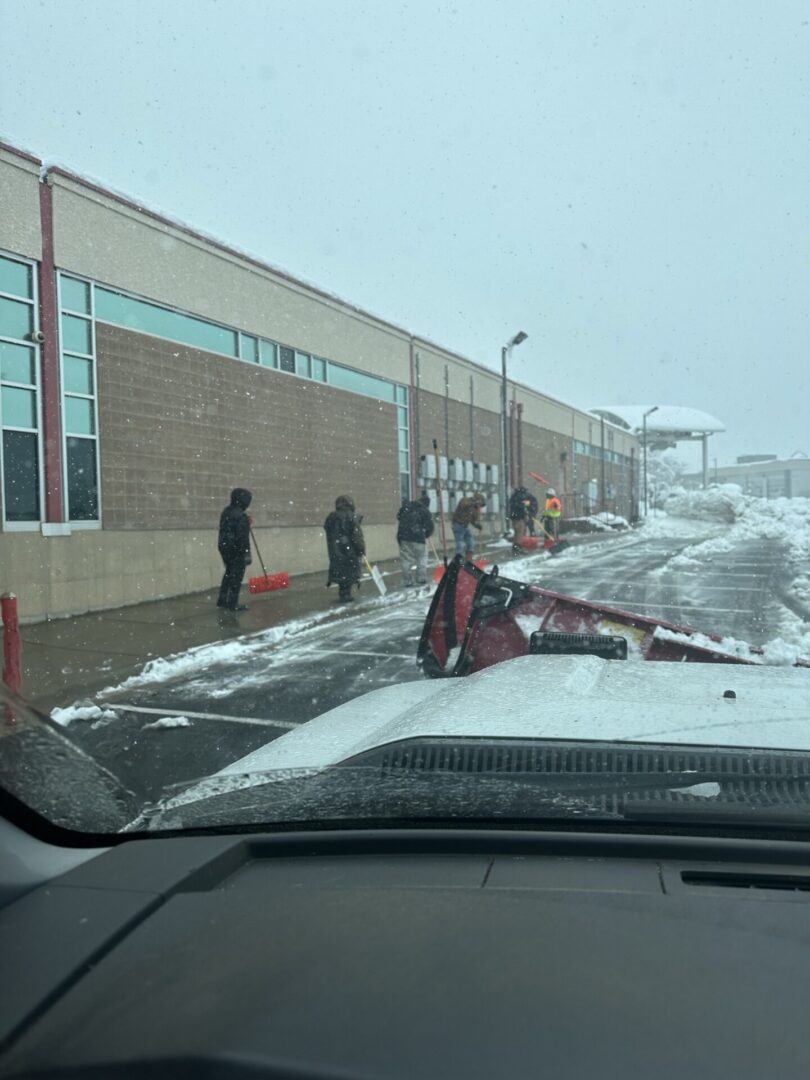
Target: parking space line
[(358, 652), (288, 724)]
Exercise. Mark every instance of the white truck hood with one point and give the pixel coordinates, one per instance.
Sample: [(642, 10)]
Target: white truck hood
[(561, 697)]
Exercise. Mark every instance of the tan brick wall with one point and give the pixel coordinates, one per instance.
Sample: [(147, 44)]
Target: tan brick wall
[(180, 427), (541, 454)]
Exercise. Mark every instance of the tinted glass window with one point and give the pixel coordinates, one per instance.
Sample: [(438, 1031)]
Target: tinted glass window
[(81, 478), (15, 278), (20, 476), (16, 363), (16, 319), (138, 315)]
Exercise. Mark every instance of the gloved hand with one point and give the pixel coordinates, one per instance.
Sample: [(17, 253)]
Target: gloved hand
[(478, 525)]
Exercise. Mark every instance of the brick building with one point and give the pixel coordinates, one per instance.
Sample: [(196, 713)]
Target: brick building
[(147, 369)]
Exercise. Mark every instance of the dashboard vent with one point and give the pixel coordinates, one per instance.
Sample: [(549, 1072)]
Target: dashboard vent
[(780, 882)]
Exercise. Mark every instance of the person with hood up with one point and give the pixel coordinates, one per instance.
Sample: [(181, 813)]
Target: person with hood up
[(234, 547), (415, 526), (346, 547), (522, 511)]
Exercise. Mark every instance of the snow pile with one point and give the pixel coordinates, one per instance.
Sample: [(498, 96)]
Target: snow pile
[(81, 711), (724, 502), (167, 722), (728, 646)]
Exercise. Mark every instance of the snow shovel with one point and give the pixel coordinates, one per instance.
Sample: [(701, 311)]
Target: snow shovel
[(552, 546), (268, 582), (376, 577)]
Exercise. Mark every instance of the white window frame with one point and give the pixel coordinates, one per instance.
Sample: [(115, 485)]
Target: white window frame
[(96, 437), (26, 526)]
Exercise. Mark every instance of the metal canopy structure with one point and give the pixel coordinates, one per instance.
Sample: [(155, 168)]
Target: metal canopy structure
[(665, 425)]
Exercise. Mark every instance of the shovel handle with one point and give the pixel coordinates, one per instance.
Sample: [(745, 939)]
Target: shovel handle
[(261, 560), (542, 527)]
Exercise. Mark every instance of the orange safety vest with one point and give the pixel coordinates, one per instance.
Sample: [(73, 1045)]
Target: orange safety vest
[(553, 507)]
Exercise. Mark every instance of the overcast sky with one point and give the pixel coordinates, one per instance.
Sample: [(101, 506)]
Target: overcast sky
[(627, 182)]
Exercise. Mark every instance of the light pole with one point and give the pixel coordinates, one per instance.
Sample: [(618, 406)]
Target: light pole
[(649, 412), (519, 337)]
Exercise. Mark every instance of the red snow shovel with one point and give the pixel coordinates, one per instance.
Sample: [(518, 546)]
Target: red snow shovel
[(552, 546), (268, 582)]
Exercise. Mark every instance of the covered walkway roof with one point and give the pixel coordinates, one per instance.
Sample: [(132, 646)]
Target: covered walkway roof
[(673, 421)]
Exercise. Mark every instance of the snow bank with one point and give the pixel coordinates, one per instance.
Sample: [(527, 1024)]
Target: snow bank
[(167, 722), (786, 521), (81, 711), (724, 502)]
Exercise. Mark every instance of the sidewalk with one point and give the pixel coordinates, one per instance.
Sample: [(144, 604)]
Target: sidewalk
[(69, 659), (72, 658)]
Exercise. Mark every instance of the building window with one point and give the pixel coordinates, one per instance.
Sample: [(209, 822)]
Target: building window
[(19, 393), (268, 354), (303, 365), (249, 348), (286, 359), (122, 310), (79, 406), (361, 383)]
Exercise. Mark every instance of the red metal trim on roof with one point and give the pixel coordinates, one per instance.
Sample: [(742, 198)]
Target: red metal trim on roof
[(20, 153), (219, 246), (49, 355)]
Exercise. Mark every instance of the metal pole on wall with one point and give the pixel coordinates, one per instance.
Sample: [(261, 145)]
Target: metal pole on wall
[(504, 445), (603, 504), (519, 337), (649, 412)]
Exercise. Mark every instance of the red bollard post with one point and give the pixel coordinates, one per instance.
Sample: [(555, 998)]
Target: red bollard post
[(12, 646)]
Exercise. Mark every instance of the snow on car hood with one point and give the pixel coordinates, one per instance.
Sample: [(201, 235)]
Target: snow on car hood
[(560, 697)]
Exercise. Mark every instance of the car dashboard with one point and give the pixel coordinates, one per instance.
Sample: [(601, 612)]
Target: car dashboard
[(407, 952)]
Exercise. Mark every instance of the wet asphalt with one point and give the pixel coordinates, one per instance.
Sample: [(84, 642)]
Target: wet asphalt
[(236, 706)]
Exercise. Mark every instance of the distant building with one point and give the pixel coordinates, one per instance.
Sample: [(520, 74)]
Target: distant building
[(762, 475)]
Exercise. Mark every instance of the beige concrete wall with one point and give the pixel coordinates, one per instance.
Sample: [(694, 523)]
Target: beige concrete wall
[(95, 569), (432, 361), (19, 206), (102, 239)]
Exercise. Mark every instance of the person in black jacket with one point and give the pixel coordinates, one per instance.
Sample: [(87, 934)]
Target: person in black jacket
[(234, 547), (415, 526), (346, 546)]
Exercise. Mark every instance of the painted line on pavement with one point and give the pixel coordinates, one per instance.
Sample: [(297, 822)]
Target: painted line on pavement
[(357, 652), (289, 724)]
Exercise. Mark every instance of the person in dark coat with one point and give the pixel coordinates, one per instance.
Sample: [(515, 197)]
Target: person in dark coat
[(346, 547), (522, 510), (415, 526), (234, 547)]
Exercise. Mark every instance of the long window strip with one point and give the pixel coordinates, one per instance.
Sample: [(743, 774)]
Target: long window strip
[(82, 491), (23, 507)]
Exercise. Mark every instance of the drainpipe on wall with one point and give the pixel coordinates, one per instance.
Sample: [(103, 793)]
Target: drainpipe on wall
[(49, 362), (413, 413)]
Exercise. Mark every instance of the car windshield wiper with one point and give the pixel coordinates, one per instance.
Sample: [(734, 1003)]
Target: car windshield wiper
[(525, 780)]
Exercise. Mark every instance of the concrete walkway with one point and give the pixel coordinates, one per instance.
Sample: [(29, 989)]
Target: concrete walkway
[(71, 658), (68, 659)]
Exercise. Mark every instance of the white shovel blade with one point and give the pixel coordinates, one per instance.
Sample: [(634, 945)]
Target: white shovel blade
[(377, 578)]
